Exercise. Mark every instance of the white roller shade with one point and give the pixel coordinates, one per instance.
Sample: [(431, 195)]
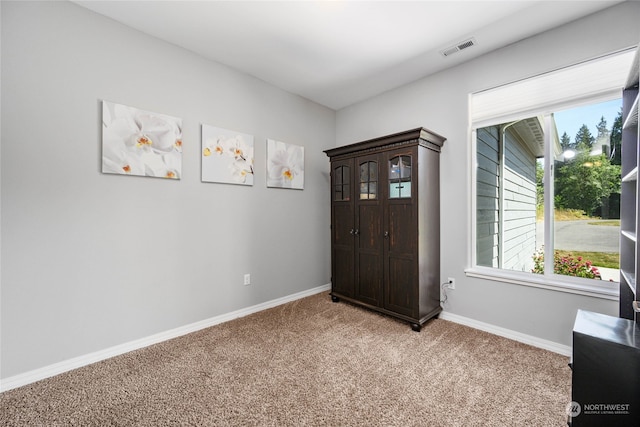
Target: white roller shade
[(597, 79)]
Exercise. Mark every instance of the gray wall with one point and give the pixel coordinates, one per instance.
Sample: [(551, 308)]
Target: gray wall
[(440, 102), (90, 261)]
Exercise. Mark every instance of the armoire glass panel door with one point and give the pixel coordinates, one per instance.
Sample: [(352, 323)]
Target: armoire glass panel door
[(369, 180), (400, 177), (342, 183)]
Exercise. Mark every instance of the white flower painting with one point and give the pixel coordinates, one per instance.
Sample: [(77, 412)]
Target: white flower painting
[(142, 143), (227, 156), (285, 165)]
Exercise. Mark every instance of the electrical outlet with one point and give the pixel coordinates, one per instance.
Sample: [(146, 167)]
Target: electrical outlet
[(247, 279), (451, 283)]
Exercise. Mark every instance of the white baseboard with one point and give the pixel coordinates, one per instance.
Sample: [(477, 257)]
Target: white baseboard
[(78, 362), (508, 333)]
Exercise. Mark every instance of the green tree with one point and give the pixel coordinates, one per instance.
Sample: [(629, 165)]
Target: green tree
[(539, 184), (602, 127), (584, 140), (616, 140), (585, 181), (565, 142)]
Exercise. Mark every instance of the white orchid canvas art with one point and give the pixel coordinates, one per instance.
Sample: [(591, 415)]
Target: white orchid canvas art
[(227, 156), (285, 165), (142, 143)]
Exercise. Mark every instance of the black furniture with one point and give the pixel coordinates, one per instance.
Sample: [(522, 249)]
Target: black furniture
[(606, 350), (385, 224), (605, 371), (629, 199)]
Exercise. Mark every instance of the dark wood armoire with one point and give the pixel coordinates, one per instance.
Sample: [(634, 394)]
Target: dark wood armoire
[(385, 224)]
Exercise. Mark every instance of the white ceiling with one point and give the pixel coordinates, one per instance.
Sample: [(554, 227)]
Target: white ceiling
[(340, 52)]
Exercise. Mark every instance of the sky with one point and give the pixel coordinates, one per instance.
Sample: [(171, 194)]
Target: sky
[(571, 120)]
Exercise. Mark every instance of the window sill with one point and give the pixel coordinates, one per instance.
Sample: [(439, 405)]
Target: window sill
[(573, 285)]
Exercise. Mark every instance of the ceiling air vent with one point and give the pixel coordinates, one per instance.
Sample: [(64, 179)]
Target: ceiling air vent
[(458, 47)]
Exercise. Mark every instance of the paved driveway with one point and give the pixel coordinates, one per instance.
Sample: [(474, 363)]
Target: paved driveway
[(582, 236)]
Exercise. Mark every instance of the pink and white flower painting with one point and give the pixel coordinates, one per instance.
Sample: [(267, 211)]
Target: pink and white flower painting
[(285, 165), (227, 156), (142, 143)]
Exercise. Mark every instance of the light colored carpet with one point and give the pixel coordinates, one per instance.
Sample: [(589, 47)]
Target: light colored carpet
[(308, 363)]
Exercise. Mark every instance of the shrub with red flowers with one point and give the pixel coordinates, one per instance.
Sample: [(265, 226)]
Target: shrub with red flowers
[(567, 265)]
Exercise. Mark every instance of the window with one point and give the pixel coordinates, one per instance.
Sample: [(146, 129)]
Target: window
[(369, 180), (341, 188), (400, 177), (547, 178)]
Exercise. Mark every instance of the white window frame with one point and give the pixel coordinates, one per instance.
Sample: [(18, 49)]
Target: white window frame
[(497, 115)]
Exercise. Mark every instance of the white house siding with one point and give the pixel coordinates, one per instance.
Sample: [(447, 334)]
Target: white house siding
[(488, 197), (519, 237), (518, 206)]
